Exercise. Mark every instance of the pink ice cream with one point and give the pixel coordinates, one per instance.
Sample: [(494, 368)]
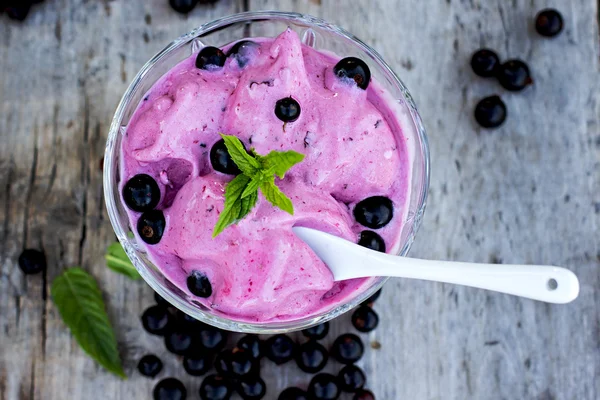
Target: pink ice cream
[(354, 148)]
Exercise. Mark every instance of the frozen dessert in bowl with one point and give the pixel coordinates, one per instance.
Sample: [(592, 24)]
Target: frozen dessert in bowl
[(274, 85)]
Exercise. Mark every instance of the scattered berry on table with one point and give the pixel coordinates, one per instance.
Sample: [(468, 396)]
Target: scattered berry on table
[(197, 363), (293, 393), (17, 11), (169, 389), (32, 261), (514, 75), (253, 345), (156, 320), (251, 388), (223, 363), (215, 387), (490, 112), (212, 339), (365, 319), (351, 378), (347, 348), (324, 387), (364, 395), (150, 365), (242, 364), (280, 349), (311, 357), (179, 342), (485, 62), (549, 22), (183, 6), (317, 332)]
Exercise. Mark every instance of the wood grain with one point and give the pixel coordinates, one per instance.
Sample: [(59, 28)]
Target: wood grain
[(527, 192)]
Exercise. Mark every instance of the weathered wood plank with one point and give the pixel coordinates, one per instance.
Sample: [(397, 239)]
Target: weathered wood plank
[(527, 192)]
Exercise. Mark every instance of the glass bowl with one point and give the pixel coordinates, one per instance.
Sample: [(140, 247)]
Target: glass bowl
[(316, 33)]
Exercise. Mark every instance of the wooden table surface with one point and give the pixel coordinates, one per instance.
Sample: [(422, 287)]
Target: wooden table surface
[(528, 192)]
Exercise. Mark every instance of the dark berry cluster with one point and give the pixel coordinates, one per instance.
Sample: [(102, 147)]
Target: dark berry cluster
[(226, 370), (513, 75)]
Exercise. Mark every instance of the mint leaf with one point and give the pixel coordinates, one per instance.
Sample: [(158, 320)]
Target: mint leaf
[(276, 196), (79, 302), (252, 187), (233, 204), (248, 203), (245, 162), (279, 162), (117, 260)]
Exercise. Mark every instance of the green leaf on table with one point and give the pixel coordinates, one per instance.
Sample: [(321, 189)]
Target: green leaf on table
[(79, 301), (117, 260), (244, 161), (276, 196)]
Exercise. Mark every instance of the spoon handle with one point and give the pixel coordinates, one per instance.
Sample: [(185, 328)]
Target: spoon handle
[(347, 260), (539, 282)]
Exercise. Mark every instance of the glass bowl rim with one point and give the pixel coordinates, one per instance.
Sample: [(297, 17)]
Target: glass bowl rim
[(109, 184)]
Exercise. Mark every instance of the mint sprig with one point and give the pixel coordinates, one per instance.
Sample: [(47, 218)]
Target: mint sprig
[(258, 173), (79, 302)]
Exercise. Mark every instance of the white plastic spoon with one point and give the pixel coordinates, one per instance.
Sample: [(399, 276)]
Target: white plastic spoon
[(347, 260)]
